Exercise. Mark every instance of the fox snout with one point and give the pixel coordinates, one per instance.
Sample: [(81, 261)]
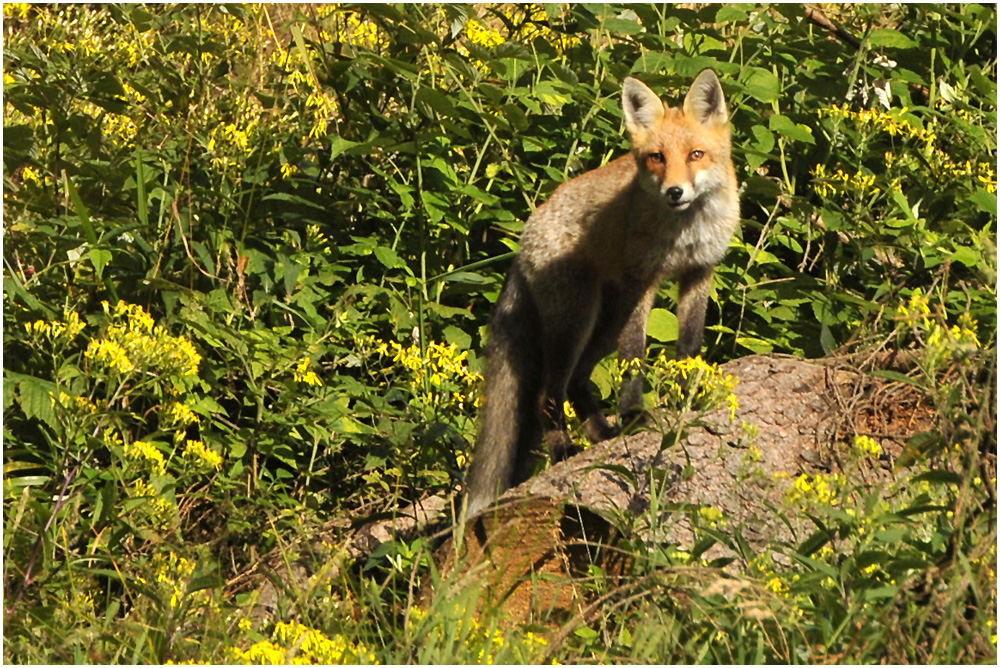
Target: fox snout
[(681, 191), (676, 197)]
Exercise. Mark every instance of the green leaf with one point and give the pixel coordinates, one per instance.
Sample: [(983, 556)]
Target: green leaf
[(457, 336), (622, 26), (205, 582), (967, 256), (662, 325), (904, 205), (652, 61), (100, 258), (762, 85), (896, 376), (869, 557), (516, 117), (466, 278), (435, 100), (552, 93), (888, 38), (388, 257), (728, 12), (434, 205), (294, 199), (690, 66), (881, 593), (17, 139), (826, 339), (755, 345), (920, 444), (340, 145), (35, 397), (814, 542), (783, 125), (985, 201), (206, 406), (816, 565), (939, 477), (764, 138), (623, 471)]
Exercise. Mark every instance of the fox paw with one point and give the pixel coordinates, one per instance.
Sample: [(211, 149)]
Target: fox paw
[(599, 429), (561, 446), (632, 419)]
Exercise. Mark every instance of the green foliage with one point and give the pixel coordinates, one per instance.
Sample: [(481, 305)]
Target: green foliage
[(249, 253)]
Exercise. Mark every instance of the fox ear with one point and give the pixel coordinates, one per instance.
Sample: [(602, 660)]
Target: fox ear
[(643, 108), (705, 101)]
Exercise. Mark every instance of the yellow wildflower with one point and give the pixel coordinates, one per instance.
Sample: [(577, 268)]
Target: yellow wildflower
[(818, 489), (889, 121), (712, 515), (536, 639), (19, 9), (30, 174), (866, 446), (482, 35), (201, 453), (827, 184), (173, 572), (132, 341), (176, 413), (441, 368), (111, 354), (292, 642), (77, 404), (776, 585), (143, 450), (704, 387), (162, 510), (63, 330), (304, 374)]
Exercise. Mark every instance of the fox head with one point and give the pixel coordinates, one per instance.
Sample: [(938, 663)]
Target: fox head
[(683, 154)]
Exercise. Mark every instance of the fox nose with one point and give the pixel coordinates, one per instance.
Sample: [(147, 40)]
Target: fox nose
[(675, 193)]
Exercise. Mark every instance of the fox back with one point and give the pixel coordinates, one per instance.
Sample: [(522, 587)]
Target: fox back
[(590, 262)]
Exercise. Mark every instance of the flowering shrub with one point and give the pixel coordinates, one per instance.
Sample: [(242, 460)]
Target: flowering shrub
[(693, 383), (119, 411), (296, 644)]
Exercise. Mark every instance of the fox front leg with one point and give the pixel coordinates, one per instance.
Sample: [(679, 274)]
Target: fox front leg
[(695, 285), (631, 352)]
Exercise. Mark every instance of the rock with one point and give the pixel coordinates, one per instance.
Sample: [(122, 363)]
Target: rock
[(527, 552)]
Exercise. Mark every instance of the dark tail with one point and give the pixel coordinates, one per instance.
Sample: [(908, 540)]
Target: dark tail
[(509, 427)]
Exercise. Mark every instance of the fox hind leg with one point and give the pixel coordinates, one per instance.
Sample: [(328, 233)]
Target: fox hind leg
[(601, 344)]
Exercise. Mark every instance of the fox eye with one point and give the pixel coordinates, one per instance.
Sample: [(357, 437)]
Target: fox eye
[(696, 154), (657, 157)]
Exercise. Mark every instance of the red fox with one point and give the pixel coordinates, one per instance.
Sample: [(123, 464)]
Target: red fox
[(590, 262)]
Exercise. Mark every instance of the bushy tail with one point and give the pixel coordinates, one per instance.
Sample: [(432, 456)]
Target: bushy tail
[(509, 427)]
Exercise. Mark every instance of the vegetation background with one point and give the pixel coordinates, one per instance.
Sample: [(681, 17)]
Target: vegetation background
[(250, 250)]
